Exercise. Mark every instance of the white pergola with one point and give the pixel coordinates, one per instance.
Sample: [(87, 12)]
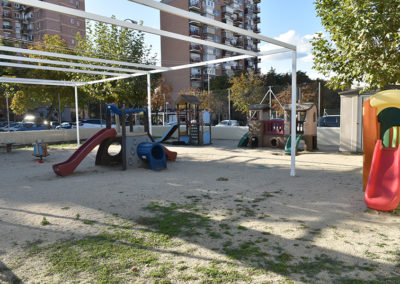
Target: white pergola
[(127, 69)]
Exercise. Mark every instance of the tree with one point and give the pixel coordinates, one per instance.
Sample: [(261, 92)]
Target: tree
[(116, 43), (362, 44), (27, 97), (246, 90)]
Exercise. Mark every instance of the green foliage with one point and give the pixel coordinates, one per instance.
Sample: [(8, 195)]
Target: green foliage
[(362, 44), (246, 90), (116, 43), (27, 97)]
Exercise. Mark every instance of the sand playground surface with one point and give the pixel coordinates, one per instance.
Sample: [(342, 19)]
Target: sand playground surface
[(219, 214)]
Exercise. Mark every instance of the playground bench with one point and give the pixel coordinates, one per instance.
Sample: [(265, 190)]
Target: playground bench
[(8, 144)]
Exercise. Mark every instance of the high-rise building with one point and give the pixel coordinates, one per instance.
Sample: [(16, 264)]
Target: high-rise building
[(240, 13), (25, 24)]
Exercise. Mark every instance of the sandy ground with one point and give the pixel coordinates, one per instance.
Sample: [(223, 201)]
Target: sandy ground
[(323, 205)]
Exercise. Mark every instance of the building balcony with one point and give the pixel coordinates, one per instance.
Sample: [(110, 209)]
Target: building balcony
[(256, 30), (194, 22), (195, 77), (195, 48), (209, 31), (6, 4), (256, 9), (7, 27), (195, 59), (227, 10), (256, 49), (194, 33), (256, 1), (257, 20), (7, 15), (256, 40), (194, 5)]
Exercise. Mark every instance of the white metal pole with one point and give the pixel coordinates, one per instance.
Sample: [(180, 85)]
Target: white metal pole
[(149, 102), (8, 112), (319, 99), (293, 115), (59, 109), (229, 104), (163, 116), (78, 140), (270, 102)]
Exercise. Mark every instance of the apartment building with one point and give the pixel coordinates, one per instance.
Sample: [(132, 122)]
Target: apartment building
[(24, 24), (240, 13)]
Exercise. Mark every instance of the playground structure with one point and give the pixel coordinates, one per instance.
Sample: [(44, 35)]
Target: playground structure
[(136, 148), (196, 123), (381, 165), (267, 132), (133, 69), (40, 150)]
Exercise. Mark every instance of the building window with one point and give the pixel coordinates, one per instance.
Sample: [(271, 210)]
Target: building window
[(217, 38), (216, 13), (77, 4), (17, 5), (210, 3), (73, 41), (72, 21), (71, 1)]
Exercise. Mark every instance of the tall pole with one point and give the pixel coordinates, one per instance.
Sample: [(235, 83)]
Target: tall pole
[(165, 106), (149, 102), (59, 109), (229, 104), (78, 139), (293, 115), (8, 112), (101, 117), (319, 99), (270, 102), (208, 81)]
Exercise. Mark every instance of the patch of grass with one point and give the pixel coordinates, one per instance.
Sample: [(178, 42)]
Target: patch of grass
[(65, 208), (88, 222), (245, 250), (106, 258), (173, 219), (77, 216), (44, 222), (216, 274)]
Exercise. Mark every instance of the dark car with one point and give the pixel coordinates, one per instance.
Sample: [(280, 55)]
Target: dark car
[(65, 125), (27, 126), (329, 121)]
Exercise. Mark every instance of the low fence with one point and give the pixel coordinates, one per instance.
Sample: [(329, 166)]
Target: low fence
[(327, 136)]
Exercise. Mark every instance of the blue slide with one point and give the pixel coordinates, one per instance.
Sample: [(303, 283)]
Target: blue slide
[(168, 133)]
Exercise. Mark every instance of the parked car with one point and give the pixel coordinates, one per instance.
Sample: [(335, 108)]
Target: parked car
[(227, 123), (65, 125), (92, 123), (27, 126), (4, 125), (329, 121)]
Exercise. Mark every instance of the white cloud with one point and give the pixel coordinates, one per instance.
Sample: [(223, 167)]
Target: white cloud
[(282, 62)]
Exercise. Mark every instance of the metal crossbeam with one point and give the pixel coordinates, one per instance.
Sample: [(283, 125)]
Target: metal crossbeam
[(80, 58), (63, 63), (29, 81), (49, 68)]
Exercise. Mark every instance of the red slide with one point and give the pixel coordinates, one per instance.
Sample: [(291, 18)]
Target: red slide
[(171, 155), (383, 188), (66, 168)]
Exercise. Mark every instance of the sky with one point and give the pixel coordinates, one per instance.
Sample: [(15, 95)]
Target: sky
[(292, 21)]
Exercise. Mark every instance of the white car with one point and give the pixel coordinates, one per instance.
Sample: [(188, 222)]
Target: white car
[(227, 123)]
